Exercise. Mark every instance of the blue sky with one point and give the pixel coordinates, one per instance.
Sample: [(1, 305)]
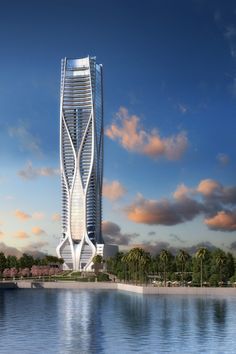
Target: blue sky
[(169, 97)]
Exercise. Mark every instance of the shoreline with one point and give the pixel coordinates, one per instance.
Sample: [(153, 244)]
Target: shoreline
[(144, 290)]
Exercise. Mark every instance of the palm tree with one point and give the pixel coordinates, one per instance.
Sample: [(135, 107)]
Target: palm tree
[(220, 261), (133, 258), (164, 258), (144, 263), (97, 261), (138, 260), (183, 256), (124, 261), (201, 254)]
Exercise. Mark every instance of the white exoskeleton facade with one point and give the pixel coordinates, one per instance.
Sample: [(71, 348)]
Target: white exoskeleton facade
[(81, 159)]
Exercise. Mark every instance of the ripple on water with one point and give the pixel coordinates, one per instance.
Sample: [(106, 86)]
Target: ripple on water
[(82, 321)]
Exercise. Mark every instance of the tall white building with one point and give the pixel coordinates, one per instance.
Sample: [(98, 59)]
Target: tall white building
[(81, 159)]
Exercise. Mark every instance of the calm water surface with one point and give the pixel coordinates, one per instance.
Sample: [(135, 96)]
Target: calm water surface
[(86, 321)]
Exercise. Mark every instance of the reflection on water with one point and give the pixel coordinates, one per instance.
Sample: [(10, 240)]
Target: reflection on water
[(220, 311), (86, 321)]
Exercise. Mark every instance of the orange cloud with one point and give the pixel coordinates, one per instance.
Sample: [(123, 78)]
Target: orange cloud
[(37, 230), (113, 190), (1, 234), (22, 235), (132, 137), (181, 192), (163, 212), (56, 217), (22, 215), (187, 203), (222, 221), (208, 187)]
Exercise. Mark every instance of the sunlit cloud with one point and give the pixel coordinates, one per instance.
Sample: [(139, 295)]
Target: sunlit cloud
[(21, 215), (30, 173), (209, 187), (127, 130), (27, 142), (21, 235), (214, 191), (113, 190), (1, 234), (56, 217), (163, 212), (112, 234), (222, 221), (181, 192), (37, 231), (209, 198)]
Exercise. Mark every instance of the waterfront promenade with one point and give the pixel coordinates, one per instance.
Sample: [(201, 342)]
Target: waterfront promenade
[(145, 290)]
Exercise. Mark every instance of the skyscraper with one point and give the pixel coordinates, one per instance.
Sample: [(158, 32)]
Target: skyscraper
[(81, 160)]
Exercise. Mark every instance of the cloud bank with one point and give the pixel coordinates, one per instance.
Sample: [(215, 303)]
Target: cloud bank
[(209, 198), (163, 212)]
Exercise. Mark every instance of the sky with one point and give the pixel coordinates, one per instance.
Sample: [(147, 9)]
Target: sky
[(169, 118)]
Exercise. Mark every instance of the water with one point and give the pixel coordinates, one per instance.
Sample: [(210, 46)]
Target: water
[(86, 321)]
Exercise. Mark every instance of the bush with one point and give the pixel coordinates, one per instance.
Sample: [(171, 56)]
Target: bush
[(214, 280), (103, 277)]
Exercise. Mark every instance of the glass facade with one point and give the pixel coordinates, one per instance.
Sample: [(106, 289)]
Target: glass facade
[(81, 156)]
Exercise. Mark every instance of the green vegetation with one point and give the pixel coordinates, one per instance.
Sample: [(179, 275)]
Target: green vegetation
[(26, 266), (97, 261), (204, 268), (27, 261), (47, 269)]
